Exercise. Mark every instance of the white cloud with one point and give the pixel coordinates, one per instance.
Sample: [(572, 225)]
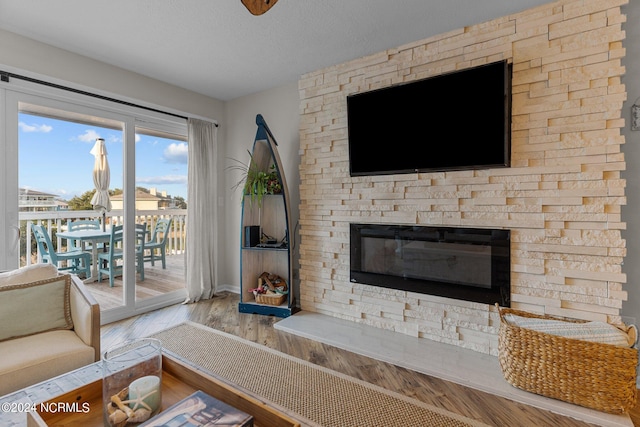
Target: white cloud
[(114, 139), (34, 128), (89, 135), (176, 153)]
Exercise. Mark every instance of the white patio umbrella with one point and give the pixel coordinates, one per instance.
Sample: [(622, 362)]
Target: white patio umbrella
[(101, 177)]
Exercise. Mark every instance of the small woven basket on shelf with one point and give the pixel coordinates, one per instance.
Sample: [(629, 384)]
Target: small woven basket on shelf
[(270, 299), (274, 283), (594, 375)]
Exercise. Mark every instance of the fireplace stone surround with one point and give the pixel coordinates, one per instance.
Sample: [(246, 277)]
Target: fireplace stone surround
[(561, 198)]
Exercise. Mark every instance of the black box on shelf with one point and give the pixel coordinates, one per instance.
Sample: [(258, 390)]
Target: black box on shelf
[(251, 236)]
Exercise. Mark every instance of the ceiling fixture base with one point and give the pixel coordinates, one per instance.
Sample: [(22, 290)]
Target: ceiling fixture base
[(258, 7)]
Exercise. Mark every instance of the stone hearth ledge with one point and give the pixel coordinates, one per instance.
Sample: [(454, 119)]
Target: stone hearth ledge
[(452, 363)]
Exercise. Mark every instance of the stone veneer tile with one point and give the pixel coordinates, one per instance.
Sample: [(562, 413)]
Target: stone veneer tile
[(561, 197)]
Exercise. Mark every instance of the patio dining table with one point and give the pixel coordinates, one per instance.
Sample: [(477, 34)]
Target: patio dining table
[(94, 236)]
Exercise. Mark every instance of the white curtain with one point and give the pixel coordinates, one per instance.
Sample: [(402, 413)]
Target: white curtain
[(201, 248)]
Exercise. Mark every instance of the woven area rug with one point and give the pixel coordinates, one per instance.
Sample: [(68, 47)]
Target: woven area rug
[(320, 396)]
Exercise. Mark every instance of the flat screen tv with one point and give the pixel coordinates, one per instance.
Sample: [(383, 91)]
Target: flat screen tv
[(455, 121)]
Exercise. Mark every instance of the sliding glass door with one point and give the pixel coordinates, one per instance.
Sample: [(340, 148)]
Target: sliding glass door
[(161, 204), (50, 180), (56, 189)]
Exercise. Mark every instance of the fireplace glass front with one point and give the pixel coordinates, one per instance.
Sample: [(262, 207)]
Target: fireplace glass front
[(462, 263)]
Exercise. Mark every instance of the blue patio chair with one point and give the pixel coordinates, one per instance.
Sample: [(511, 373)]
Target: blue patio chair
[(77, 261), (111, 261), (158, 242), (83, 224)]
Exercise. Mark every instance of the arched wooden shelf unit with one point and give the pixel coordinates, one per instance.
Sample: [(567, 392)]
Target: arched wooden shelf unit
[(271, 251)]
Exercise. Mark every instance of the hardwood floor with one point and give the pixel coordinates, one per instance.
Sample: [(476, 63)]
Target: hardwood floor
[(221, 313)]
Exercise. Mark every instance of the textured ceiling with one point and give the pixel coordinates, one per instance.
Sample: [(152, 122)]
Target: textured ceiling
[(217, 48)]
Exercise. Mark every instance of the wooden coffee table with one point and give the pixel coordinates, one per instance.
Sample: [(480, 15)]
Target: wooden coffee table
[(179, 380)]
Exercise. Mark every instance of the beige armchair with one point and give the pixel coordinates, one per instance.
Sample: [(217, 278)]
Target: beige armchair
[(49, 325)]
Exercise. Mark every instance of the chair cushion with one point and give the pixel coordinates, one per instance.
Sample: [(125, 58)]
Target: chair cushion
[(34, 307), (30, 360), (32, 273)]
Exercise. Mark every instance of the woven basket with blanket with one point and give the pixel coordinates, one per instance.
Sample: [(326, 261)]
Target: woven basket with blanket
[(592, 364)]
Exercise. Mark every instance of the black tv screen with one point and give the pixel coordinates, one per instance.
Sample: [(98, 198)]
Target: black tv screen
[(460, 120)]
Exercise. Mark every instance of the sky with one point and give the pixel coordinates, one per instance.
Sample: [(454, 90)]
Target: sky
[(54, 157)]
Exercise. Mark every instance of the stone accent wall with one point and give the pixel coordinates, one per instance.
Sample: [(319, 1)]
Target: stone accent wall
[(561, 198)]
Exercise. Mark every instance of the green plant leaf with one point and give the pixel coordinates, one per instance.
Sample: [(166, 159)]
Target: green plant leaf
[(256, 183)]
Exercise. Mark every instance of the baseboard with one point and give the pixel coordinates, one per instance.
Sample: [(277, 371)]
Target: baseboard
[(234, 289)]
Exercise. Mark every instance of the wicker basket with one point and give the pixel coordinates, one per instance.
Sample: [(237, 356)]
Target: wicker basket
[(270, 299), (598, 376)]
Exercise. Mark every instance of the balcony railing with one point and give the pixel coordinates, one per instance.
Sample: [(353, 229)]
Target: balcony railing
[(55, 221)]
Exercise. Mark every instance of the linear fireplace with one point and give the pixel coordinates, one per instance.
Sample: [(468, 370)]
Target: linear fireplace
[(470, 264)]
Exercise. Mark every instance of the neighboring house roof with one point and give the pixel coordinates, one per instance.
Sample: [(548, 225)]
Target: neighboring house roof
[(29, 192), (33, 200), (61, 204), (140, 195), (161, 200)]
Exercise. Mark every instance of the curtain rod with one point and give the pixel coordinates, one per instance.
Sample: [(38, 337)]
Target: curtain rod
[(5, 75)]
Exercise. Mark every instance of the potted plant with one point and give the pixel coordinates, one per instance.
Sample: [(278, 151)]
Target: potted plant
[(274, 186), (255, 182)]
